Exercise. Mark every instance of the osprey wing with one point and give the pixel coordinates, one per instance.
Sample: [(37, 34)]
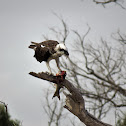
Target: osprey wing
[(42, 54), (49, 43)]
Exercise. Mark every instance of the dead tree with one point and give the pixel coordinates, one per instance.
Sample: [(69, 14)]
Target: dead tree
[(74, 101), (101, 77)]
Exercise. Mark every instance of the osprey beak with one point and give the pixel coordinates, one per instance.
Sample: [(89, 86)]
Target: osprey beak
[(66, 53)]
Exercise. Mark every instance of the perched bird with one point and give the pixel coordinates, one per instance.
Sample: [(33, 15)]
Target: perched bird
[(48, 50)]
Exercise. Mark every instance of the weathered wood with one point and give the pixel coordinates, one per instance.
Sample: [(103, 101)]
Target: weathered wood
[(74, 101)]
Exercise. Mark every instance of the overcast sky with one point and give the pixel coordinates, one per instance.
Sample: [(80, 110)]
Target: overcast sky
[(23, 21)]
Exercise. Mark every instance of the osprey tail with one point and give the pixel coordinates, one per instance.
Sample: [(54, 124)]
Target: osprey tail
[(33, 45)]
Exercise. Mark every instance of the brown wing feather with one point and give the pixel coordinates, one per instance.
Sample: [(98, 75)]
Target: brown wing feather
[(42, 54), (49, 43), (33, 45)]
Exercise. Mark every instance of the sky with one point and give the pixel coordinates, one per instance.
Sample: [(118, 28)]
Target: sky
[(23, 21)]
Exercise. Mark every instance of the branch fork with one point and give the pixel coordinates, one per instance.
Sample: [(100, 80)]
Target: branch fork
[(74, 101)]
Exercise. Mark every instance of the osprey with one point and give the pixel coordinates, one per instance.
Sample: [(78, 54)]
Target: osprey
[(48, 50)]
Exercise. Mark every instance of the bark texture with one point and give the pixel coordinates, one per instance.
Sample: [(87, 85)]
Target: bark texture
[(74, 101)]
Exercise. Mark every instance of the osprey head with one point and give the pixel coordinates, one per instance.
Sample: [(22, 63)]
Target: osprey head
[(61, 49)]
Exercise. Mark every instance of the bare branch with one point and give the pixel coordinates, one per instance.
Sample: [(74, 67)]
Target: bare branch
[(97, 70), (61, 33), (74, 101), (120, 37), (107, 2)]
